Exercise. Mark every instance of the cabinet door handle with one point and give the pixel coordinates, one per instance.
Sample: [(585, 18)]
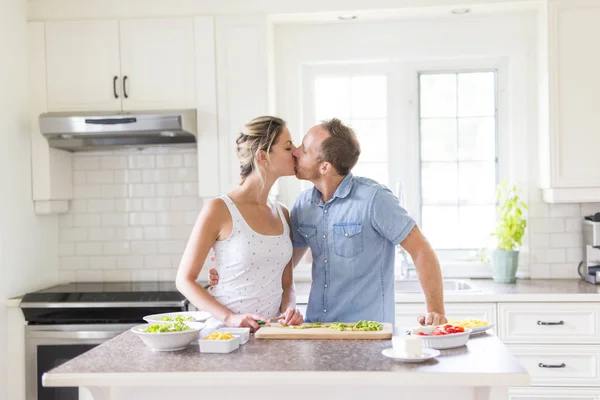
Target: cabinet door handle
[(115, 86), (563, 365), (125, 87), (551, 323)]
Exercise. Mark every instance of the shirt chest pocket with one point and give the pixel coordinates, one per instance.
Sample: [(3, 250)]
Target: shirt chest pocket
[(348, 239), (309, 233)]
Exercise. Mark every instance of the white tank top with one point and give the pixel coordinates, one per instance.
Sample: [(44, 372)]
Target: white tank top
[(250, 266)]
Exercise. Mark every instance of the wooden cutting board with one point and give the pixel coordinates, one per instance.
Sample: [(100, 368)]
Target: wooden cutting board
[(276, 331)]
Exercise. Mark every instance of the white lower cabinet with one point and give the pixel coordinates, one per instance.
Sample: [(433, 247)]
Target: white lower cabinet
[(542, 393), (564, 365)]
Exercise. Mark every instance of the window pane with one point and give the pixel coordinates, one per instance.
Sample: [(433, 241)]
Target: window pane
[(438, 95), (332, 97), (372, 135), (440, 226), (368, 97), (438, 139), (439, 182), (477, 139), (476, 182), (477, 94), (376, 171), (476, 223)]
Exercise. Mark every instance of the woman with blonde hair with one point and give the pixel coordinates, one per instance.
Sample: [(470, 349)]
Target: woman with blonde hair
[(250, 236)]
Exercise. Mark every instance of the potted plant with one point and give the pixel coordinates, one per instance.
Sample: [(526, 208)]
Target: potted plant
[(509, 233)]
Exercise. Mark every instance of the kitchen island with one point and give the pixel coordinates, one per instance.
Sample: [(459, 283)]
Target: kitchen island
[(124, 368)]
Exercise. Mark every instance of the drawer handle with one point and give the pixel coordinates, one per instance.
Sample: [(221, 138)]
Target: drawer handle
[(563, 365), (551, 323)]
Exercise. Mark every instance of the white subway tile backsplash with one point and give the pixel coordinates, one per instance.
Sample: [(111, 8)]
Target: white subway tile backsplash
[(130, 262), (101, 205), (144, 275), (130, 233), (589, 209), (183, 175), (141, 190), (102, 234), (574, 255), (141, 161), (128, 176), (79, 178), (99, 177), (563, 271), (86, 162), (550, 256), (115, 219), (156, 233), (66, 249), (144, 247), (167, 274), (115, 248), (171, 246), (73, 263), (190, 189), (547, 225), (169, 189), (155, 176), (573, 224), (184, 203), (539, 271), (117, 275), (103, 262), (564, 210), (65, 220), (142, 219), (156, 204), (89, 276), (540, 241), (191, 216), (113, 162), (565, 240), (113, 191), (86, 220), (78, 206), (73, 234), (190, 160), (87, 192), (539, 210), (158, 261), (170, 218), (169, 160), (88, 249), (128, 205)]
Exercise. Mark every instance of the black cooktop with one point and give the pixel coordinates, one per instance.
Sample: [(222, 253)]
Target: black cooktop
[(91, 302)]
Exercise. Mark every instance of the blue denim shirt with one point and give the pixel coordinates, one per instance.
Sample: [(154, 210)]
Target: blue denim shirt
[(352, 238)]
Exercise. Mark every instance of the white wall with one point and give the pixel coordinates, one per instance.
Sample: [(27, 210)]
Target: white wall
[(28, 244)]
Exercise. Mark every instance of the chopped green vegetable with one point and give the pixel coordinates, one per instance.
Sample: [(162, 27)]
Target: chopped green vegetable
[(176, 318), (177, 326), (340, 326)]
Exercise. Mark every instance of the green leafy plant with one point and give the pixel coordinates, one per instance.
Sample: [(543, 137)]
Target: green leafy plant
[(511, 224)]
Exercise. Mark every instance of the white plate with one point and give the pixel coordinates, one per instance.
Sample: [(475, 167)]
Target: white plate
[(478, 329), (427, 354)]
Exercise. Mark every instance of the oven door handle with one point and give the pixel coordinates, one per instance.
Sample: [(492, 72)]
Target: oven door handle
[(78, 335)]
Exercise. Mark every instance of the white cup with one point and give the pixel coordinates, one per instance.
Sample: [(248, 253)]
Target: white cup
[(407, 346)]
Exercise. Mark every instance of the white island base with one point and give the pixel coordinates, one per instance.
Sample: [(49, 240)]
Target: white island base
[(125, 369)]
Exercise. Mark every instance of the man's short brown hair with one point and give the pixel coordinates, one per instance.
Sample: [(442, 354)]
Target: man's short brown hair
[(341, 149)]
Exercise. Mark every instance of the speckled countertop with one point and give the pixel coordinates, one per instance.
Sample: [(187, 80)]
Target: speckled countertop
[(126, 358), (486, 290)]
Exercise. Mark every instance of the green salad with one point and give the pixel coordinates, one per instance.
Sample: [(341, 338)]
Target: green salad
[(177, 326), (176, 318)]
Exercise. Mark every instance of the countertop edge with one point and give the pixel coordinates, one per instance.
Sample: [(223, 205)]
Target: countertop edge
[(283, 379)]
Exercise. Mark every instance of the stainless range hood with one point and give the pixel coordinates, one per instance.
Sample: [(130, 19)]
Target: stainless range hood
[(97, 131)]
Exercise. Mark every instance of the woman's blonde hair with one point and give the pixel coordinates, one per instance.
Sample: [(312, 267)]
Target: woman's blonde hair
[(258, 134)]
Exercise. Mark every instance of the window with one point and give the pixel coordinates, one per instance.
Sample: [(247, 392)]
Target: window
[(360, 102), (459, 167)]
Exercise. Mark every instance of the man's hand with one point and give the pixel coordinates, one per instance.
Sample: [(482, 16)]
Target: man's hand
[(292, 316), (213, 277), (432, 318)]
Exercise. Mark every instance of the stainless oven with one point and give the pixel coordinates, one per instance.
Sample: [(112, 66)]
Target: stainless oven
[(64, 322)]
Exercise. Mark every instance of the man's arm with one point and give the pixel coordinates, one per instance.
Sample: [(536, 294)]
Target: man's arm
[(430, 275)]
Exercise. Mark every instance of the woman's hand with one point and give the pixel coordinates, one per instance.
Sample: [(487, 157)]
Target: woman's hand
[(292, 316), (245, 321)]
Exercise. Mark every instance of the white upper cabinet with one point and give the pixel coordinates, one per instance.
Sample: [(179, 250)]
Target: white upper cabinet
[(82, 64), (158, 63), (570, 134), (121, 65)]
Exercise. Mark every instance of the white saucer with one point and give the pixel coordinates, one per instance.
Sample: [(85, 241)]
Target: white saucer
[(426, 355)]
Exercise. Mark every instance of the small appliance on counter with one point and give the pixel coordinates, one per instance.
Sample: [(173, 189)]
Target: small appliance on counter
[(589, 268)]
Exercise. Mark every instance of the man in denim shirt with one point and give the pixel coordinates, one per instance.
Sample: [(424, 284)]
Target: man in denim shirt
[(352, 225)]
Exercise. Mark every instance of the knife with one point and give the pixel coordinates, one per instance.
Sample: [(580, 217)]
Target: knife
[(261, 323)]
